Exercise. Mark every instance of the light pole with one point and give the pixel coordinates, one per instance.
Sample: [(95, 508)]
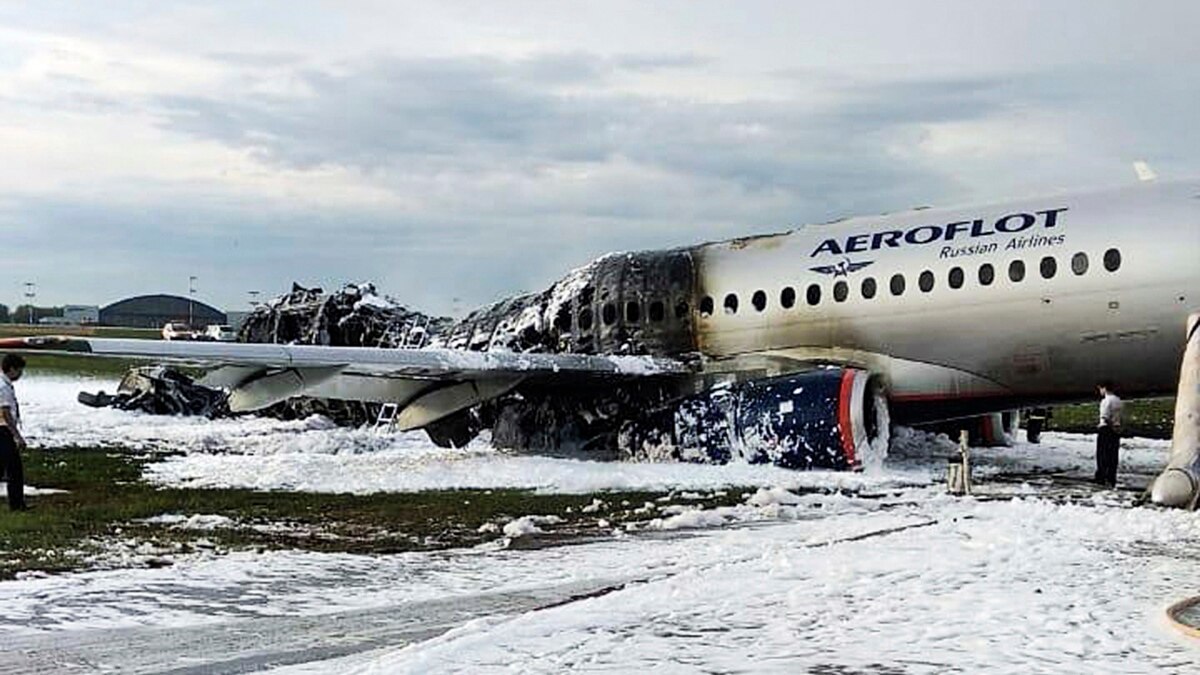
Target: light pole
[(253, 299), (30, 294), (191, 294)]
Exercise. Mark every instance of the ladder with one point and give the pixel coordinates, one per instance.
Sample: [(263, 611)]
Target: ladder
[(387, 415), (416, 333)]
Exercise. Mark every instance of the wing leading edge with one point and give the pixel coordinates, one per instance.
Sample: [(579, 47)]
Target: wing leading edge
[(434, 364), (426, 384)]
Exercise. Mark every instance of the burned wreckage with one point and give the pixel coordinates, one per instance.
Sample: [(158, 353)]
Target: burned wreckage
[(629, 304)]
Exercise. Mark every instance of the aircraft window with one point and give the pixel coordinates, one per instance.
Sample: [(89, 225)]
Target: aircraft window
[(787, 297), (657, 311), (633, 312), (841, 291), (897, 284), (868, 288), (925, 281), (681, 309), (706, 306), (813, 294), (585, 319), (987, 274), (731, 303), (759, 300), (1112, 260), (1016, 270), (1079, 264), (1049, 267), (609, 314), (956, 277)]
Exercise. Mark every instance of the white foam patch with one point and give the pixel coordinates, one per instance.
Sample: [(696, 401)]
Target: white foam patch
[(1018, 586), (526, 525), (914, 581), (315, 455), (198, 521)]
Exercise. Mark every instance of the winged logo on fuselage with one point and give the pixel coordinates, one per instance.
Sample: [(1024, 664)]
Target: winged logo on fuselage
[(843, 268)]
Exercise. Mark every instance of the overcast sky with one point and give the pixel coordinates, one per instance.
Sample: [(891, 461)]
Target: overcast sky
[(472, 150)]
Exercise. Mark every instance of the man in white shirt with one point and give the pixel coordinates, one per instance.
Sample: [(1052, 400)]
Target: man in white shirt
[(12, 443), (1108, 435)]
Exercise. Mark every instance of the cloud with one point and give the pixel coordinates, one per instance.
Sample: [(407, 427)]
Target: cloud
[(394, 119), (505, 160)]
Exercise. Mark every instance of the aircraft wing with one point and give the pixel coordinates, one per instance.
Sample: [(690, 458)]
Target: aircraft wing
[(440, 380), (436, 364)]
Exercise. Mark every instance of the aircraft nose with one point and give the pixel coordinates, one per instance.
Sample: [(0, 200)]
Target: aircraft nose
[(1175, 487)]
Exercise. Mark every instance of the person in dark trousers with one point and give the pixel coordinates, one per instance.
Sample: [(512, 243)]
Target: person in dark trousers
[(12, 443), (1108, 435), (1034, 423)]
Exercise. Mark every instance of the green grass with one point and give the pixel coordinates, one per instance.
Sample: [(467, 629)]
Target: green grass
[(1147, 418), (24, 330), (71, 364), (106, 495)]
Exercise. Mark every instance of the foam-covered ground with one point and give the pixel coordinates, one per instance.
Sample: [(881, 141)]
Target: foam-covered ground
[(899, 578), (918, 583), (313, 455)]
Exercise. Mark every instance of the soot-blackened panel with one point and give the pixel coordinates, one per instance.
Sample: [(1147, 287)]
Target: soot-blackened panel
[(627, 303), (644, 302)]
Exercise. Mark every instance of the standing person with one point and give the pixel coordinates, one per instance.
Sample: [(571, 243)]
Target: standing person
[(1108, 435), (1034, 423), (12, 443)]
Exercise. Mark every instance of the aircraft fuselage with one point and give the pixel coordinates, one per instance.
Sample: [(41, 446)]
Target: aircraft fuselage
[(1035, 299)]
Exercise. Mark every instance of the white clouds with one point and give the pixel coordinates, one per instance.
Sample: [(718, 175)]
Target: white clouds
[(431, 143)]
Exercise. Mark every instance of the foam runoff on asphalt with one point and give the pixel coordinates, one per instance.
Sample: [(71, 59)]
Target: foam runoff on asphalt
[(906, 579), (314, 455), (920, 583)]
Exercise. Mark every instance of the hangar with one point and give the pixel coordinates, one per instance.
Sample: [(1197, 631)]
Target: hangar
[(152, 311)]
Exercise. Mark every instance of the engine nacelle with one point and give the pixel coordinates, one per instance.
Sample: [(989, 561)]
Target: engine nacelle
[(829, 418)]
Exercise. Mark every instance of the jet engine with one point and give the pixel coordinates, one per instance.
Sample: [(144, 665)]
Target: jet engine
[(830, 418)]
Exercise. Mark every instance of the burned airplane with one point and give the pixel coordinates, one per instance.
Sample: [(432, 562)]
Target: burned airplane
[(794, 348)]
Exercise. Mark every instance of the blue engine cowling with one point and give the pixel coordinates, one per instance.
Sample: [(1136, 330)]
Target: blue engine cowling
[(820, 419)]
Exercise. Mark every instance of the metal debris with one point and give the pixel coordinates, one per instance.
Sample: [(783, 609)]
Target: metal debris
[(160, 390), (355, 316)]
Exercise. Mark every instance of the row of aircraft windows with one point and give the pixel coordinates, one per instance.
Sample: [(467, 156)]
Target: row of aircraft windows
[(897, 284), (656, 311)]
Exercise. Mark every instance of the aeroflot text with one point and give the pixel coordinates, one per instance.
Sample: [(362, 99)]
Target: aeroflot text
[(928, 234)]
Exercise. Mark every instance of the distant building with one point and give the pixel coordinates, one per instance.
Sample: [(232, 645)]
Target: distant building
[(80, 315), (152, 311), (72, 315), (56, 321)]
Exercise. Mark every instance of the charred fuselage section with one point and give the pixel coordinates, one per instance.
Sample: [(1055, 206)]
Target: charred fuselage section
[(354, 316), (624, 303)]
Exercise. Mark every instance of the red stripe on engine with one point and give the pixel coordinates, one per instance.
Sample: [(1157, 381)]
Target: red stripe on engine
[(845, 422)]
